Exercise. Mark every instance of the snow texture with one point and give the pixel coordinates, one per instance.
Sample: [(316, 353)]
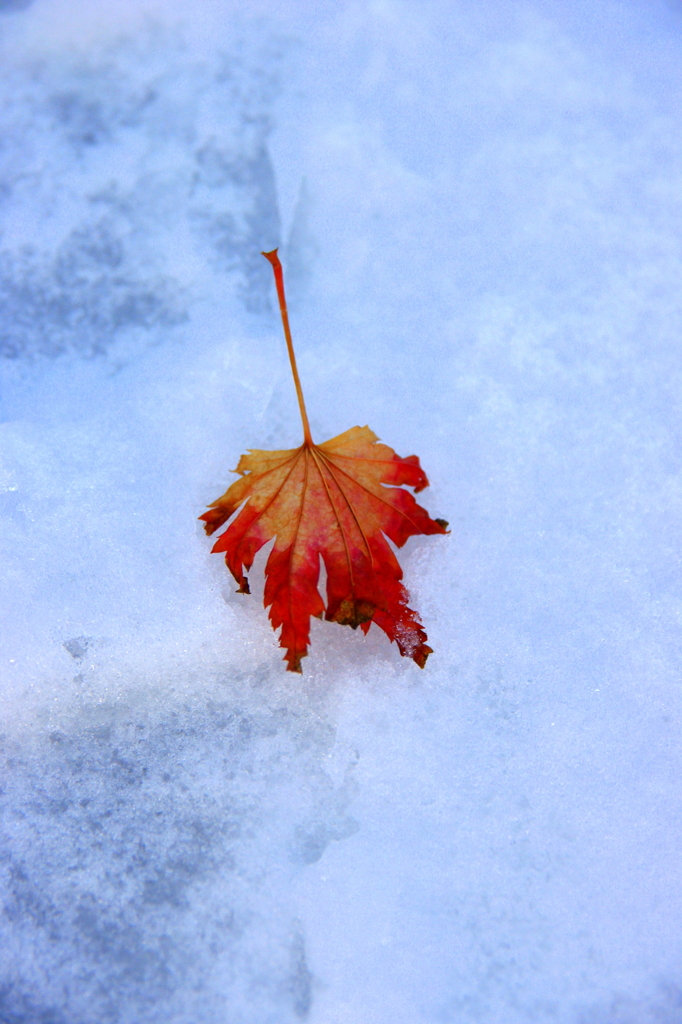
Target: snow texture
[(478, 208)]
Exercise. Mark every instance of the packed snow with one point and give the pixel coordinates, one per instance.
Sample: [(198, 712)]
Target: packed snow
[(478, 210)]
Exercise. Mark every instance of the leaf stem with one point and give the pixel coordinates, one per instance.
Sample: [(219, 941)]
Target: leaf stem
[(279, 284)]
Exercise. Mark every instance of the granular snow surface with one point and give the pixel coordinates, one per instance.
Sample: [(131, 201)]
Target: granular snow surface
[(478, 210)]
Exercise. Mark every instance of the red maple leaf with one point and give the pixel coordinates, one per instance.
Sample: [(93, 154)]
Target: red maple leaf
[(331, 501)]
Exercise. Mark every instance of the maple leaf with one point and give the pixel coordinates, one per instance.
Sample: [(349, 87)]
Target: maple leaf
[(338, 500)]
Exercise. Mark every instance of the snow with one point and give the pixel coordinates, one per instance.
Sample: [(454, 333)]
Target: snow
[(478, 209)]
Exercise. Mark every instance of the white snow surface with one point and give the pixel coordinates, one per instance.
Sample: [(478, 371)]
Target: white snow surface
[(478, 209)]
